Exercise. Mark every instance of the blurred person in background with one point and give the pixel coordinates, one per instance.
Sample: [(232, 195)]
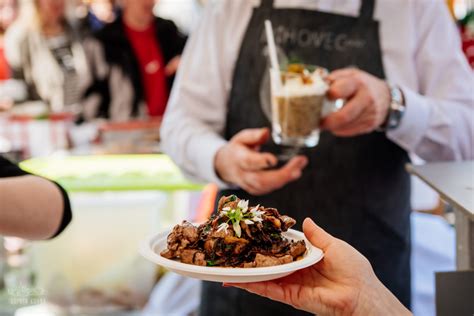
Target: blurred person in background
[(408, 89), (8, 13), (45, 52), (133, 62), (31, 207), (95, 14)]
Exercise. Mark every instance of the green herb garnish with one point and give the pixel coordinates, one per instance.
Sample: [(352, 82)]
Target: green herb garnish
[(240, 213)]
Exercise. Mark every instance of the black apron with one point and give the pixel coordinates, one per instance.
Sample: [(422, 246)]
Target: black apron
[(356, 187)]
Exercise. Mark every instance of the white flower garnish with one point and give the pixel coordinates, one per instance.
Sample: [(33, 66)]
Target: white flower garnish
[(239, 214), (255, 208), (222, 227), (255, 212), (237, 230), (243, 205)]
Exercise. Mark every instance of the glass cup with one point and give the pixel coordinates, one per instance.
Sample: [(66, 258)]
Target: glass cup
[(299, 102)]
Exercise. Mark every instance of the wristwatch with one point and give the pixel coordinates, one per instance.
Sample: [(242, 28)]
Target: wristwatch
[(395, 111)]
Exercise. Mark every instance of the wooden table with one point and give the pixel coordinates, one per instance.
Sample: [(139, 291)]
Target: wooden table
[(454, 181)]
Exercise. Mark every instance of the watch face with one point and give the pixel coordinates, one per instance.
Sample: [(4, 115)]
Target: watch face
[(396, 114), (393, 120), (397, 96)]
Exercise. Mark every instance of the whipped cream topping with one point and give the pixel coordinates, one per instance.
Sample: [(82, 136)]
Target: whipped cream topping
[(294, 86)]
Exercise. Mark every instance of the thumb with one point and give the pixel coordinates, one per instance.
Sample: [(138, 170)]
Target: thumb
[(316, 235), (252, 136)]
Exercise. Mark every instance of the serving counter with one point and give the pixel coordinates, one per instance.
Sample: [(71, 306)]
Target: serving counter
[(455, 184), (454, 181)]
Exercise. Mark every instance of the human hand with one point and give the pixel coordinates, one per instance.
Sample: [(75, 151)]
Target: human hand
[(342, 283), (172, 66), (240, 162), (368, 102), (5, 105)]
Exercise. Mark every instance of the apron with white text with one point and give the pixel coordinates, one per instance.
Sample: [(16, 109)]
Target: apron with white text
[(354, 187)]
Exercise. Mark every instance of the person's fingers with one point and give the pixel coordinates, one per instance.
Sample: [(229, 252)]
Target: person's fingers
[(269, 180), (169, 69), (250, 160), (5, 105), (343, 88), (341, 73), (316, 235), (172, 66), (270, 289), (349, 114), (249, 183), (251, 188), (252, 136), (365, 123), (292, 168), (256, 148)]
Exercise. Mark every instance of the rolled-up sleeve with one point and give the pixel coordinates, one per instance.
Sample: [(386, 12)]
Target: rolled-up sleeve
[(439, 121), (193, 125), (67, 212)]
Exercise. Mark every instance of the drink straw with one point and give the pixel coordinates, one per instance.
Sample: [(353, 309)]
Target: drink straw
[(271, 45), (273, 54)]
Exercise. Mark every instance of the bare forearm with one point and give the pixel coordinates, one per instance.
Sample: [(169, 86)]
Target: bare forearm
[(30, 207)]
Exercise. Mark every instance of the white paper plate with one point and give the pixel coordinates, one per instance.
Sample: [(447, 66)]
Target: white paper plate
[(152, 247)]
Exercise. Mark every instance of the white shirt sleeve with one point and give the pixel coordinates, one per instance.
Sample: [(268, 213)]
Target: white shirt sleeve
[(15, 45), (439, 119), (193, 125)]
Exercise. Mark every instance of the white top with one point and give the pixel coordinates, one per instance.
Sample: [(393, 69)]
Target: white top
[(421, 53), (295, 87)]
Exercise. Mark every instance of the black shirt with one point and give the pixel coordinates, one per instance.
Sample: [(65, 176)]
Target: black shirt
[(119, 55), (8, 169)]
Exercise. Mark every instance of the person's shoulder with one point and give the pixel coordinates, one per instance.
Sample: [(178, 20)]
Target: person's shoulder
[(225, 14), (428, 3), (164, 23), (16, 43), (423, 7), (414, 7), (110, 31), (18, 31), (230, 7)]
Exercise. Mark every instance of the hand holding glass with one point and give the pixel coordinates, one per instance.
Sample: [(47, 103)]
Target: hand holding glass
[(299, 103)]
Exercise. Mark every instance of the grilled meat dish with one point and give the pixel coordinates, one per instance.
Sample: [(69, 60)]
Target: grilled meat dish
[(237, 236)]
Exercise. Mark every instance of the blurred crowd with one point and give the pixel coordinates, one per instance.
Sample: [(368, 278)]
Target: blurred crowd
[(111, 59), (95, 58)]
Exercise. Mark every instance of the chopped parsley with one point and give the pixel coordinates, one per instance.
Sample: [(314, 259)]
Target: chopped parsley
[(211, 263)]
